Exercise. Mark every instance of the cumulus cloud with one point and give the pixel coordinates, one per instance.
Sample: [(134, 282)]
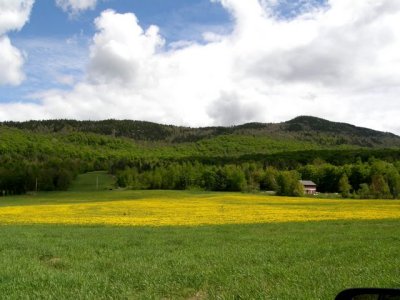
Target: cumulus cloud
[(340, 61), (121, 54), (11, 62), (13, 16), (76, 6)]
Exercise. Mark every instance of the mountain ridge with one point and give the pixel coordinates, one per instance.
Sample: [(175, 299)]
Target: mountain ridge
[(302, 128)]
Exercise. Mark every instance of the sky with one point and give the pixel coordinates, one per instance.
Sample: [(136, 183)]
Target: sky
[(201, 62)]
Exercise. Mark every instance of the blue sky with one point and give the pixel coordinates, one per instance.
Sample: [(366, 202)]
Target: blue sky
[(201, 62), (51, 32), (172, 16)]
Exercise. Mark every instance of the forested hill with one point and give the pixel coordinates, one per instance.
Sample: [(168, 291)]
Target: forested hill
[(301, 129), (48, 155)]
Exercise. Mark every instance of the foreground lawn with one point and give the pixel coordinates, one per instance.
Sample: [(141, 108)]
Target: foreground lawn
[(307, 260), (194, 245)]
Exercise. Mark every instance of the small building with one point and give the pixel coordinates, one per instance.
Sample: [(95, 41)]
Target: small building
[(310, 188)]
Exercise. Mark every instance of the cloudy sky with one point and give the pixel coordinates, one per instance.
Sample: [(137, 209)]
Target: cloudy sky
[(201, 62)]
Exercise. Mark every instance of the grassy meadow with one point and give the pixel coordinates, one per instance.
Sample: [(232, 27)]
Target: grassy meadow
[(93, 243), (92, 181)]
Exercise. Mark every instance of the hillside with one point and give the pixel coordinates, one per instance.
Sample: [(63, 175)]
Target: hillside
[(48, 155), (310, 130)]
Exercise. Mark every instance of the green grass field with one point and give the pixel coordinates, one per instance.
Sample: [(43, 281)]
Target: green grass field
[(264, 261), (291, 260), (93, 181)]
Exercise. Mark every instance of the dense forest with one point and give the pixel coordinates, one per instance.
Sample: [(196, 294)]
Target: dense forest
[(47, 155)]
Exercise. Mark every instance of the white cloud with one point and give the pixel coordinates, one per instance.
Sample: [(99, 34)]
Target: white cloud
[(121, 54), (11, 62), (13, 16), (341, 62), (75, 6)]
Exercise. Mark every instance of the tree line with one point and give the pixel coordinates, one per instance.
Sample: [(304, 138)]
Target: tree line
[(372, 179), (19, 177)]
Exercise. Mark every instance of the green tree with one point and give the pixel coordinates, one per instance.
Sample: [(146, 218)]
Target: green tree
[(269, 180), (124, 178), (379, 187), (394, 182), (235, 179), (344, 186), (364, 192), (209, 180), (288, 184), (298, 190)]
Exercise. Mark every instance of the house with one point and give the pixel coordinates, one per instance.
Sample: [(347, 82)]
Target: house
[(310, 188)]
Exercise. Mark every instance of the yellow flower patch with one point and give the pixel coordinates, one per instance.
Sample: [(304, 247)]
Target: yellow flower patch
[(195, 210)]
